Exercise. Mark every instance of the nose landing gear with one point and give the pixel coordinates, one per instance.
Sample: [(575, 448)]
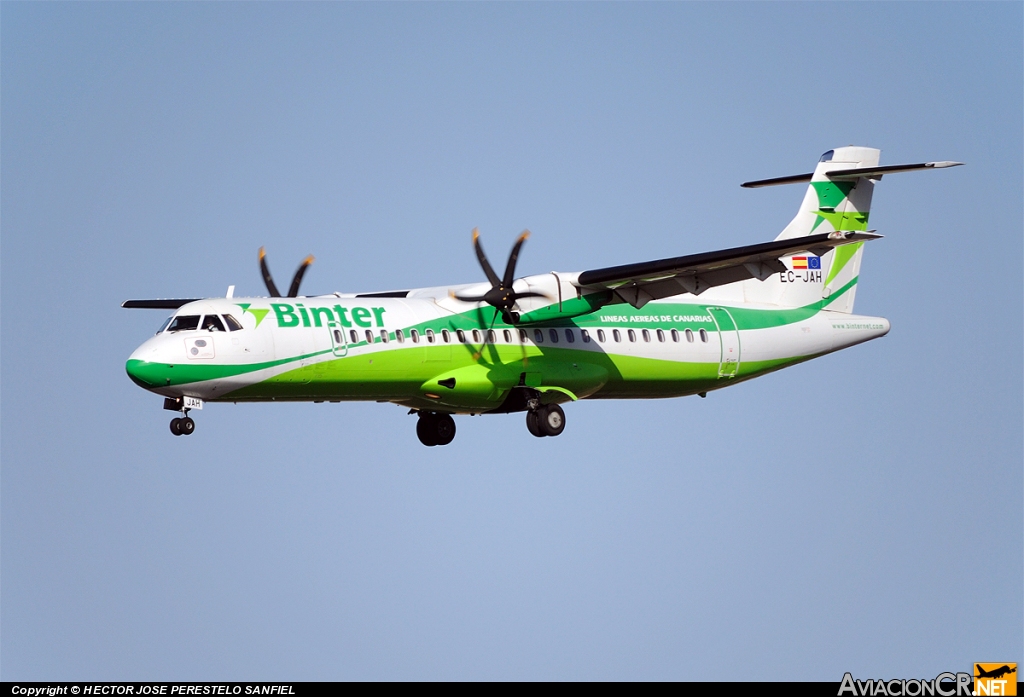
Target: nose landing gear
[(435, 429), (545, 420), (183, 426)]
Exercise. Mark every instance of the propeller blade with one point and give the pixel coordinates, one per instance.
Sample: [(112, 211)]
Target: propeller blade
[(297, 278), (469, 298), (267, 278), (510, 268), (491, 276)]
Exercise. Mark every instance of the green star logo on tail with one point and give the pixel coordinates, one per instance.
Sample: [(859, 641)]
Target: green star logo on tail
[(257, 313), (830, 196)]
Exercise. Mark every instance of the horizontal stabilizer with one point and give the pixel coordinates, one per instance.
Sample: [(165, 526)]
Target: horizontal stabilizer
[(877, 172), (795, 179), (162, 304), (849, 174)]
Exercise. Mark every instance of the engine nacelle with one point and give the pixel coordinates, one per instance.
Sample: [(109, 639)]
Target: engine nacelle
[(563, 299)]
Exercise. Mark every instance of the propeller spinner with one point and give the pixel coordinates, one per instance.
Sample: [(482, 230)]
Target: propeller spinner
[(501, 295), (293, 291)]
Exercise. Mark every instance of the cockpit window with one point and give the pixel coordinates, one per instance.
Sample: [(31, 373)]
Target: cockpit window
[(827, 157), (233, 324), (212, 323), (184, 323), (164, 325)]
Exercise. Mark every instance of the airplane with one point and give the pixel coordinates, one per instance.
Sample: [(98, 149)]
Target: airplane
[(995, 673), (674, 327)]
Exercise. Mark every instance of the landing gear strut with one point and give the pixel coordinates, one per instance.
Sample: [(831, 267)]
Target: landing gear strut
[(435, 429), (546, 420)]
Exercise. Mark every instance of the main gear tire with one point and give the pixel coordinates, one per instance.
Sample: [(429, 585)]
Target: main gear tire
[(533, 424), (551, 419), (444, 429), (425, 430)]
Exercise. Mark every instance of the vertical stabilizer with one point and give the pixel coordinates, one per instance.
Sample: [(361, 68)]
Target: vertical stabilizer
[(829, 204)]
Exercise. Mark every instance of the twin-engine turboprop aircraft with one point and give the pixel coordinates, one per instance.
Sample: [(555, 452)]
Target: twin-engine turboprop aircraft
[(667, 328)]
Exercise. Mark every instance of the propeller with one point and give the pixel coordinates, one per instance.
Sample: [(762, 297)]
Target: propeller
[(293, 291), (501, 295)]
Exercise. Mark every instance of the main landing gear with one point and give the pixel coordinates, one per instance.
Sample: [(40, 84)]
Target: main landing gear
[(542, 420), (435, 429), (545, 420)]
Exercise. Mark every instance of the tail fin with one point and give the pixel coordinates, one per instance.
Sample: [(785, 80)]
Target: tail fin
[(835, 204), (838, 198), (831, 203)]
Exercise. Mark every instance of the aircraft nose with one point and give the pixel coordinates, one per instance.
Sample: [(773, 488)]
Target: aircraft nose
[(145, 366), (145, 374)]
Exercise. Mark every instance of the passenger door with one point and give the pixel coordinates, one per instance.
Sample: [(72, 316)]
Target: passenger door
[(339, 342), (729, 337)]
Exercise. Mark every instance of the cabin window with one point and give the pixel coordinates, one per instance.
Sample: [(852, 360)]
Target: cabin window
[(703, 336), (586, 336), (632, 335), (414, 335), (508, 336), (164, 325), (554, 335), (476, 336), (646, 334), (661, 336), (369, 336), (212, 323), (355, 337), (430, 336), (522, 335), (384, 335), (569, 337), (338, 338), (675, 335), (233, 324), (184, 323), (600, 335), (462, 336), (491, 337), (446, 335), (538, 336), (616, 335), (400, 336), (689, 335)]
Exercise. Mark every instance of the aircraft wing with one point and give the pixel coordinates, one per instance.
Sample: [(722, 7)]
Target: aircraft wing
[(161, 304), (638, 284)]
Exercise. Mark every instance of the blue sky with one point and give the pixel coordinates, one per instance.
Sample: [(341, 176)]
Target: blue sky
[(859, 512)]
